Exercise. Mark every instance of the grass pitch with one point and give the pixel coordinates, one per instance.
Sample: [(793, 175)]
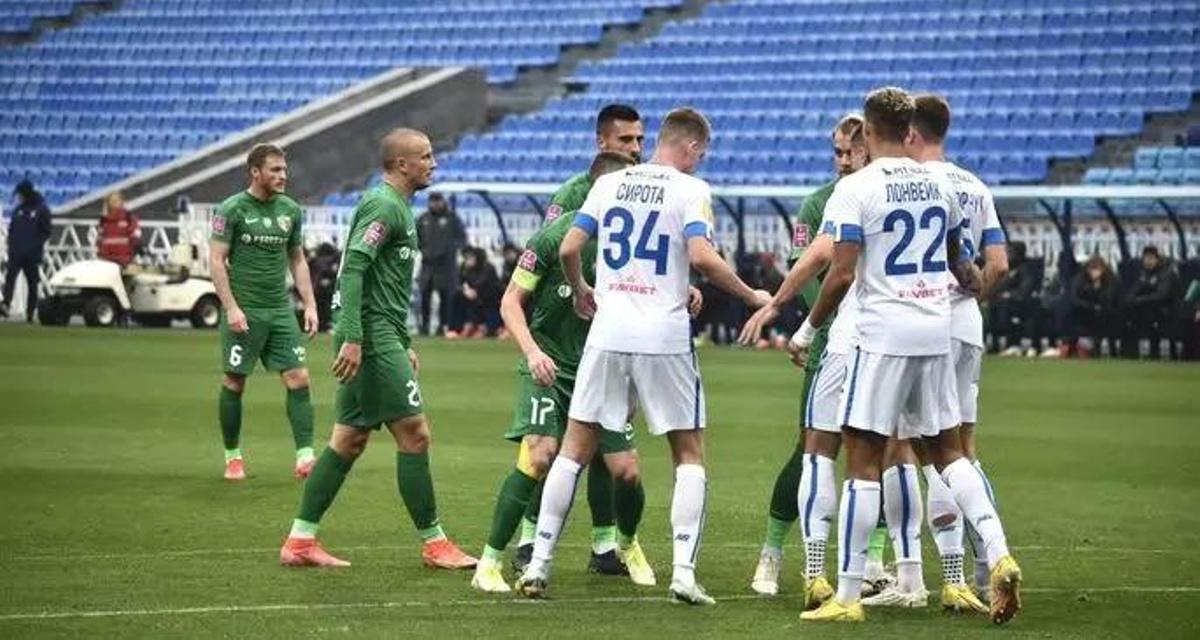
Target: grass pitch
[(116, 521)]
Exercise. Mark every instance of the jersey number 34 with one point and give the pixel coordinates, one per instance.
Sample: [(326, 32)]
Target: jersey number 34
[(619, 224)]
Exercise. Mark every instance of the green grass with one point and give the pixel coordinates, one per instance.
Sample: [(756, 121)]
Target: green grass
[(112, 501)]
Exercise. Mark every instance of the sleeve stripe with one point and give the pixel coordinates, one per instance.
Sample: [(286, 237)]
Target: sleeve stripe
[(992, 236), (695, 229), (849, 233), (829, 228), (586, 222), (525, 279)]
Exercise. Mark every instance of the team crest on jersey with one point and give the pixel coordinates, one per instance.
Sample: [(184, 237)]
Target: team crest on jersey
[(218, 224), (375, 233), (800, 236), (528, 260), (285, 223), (564, 291), (553, 212), (266, 222)]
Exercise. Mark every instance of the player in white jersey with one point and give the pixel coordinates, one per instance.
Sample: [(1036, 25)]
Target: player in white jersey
[(815, 491), (896, 228), (651, 222)]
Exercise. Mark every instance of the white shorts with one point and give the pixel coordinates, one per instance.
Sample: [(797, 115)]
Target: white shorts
[(821, 406), (968, 362), (666, 387), (899, 396)]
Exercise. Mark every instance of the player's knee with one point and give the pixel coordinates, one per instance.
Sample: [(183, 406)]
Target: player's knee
[(296, 378), (415, 439), (624, 469), (349, 443), (236, 384)]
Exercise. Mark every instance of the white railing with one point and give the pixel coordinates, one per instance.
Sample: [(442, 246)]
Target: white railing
[(762, 225)]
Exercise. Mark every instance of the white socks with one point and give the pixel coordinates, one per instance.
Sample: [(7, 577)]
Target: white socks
[(687, 520), (817, 500), (902, 509), (857, 517), (945, 522), (557, 496), (970, 492)]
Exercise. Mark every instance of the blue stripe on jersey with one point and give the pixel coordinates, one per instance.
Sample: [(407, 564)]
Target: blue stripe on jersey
[(812, 391), (849, 529), (829, 227), (853, 382), (695, 229), (587, 223), (850, 233), (905, 509), (995, 235)]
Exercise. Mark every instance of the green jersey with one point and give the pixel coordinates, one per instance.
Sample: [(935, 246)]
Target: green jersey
[(569, 197), (555, 327), (808, 227), (382, 244), (261, 236)]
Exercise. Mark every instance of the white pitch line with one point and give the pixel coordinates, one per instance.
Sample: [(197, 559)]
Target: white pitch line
[(183, 553), (326, 606)]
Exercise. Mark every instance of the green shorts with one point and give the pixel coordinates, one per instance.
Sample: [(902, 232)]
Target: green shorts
[(542, 411), (384, 390), (274, 338), (815, 352)]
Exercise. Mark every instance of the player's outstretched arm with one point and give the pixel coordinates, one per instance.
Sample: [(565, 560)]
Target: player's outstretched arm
[(833, 289), (303, 280), (512, 311), (815, 260), (218, 252), (711, 265)]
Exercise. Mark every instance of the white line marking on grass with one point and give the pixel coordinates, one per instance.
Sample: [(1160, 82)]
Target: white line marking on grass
[(333, 606), (183, 553)]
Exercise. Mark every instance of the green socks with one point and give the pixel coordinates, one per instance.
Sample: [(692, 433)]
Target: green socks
[(630, 501), (510, 507), (416, 489), (229, 409), (600, 493), (321, 488), (787, 485), (300, 415), (876, 544), (777, 530)]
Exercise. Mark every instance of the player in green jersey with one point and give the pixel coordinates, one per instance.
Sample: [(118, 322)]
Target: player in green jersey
[(619, 129), (255, 240), (376, 365), (812, 251), (552, 345)]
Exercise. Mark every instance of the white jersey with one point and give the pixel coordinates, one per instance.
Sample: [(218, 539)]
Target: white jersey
[(980, 228), (844, 329), (900, 212), (642, 218)]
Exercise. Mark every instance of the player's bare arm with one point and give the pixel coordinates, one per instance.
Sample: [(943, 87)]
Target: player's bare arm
[(962, 267), (570, 253), (710, 264), (695, 301), (833, 289), (218, 253), (995, 268), (815, 260), (512, 311), (303, 280)]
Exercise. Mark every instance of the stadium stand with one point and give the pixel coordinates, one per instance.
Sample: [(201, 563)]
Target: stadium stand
[(1031, 81), (136, 87), (17, 16)]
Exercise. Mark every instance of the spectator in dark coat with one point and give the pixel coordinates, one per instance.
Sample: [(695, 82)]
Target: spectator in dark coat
[(1149, 305), (1095, 296), (323, 267), (441, 234), (28, 232), (477, 302), (1014, 307)]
